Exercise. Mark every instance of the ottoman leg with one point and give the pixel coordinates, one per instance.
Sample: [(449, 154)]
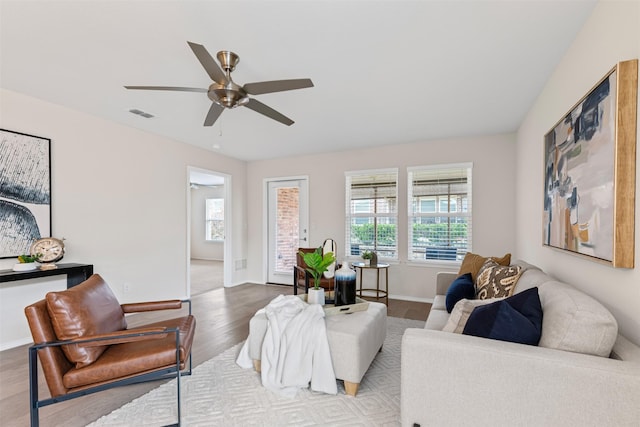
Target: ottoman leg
[(257, 365), (351, 388)]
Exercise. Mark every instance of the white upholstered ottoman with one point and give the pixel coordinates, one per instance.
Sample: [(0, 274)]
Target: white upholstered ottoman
[(354, 341)]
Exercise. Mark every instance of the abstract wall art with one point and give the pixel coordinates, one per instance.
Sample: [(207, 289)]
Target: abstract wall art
[(589, 175), (25, 191)]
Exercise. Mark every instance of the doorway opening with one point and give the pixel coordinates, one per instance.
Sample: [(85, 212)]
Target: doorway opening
[(209, 230)]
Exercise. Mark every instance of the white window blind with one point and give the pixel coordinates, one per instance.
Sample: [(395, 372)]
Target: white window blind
[(372, 212), (439, 209)]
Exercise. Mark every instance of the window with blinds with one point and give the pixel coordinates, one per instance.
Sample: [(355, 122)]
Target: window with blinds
[(214, 217), (439, 212), (372, 212)]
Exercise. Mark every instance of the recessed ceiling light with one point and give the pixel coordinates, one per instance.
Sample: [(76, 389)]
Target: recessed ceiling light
[(216, 146)]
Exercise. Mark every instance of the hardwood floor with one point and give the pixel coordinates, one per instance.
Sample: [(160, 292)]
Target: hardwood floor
[(222, 317)]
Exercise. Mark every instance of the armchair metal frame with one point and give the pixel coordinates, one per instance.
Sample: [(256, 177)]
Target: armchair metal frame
[(296, 281), (165, 373)]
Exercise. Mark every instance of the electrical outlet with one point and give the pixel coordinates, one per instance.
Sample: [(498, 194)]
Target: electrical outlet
[(126, 288)]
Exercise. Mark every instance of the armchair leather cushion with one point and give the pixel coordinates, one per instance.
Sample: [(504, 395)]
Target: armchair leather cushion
[(122, 360), (87, 309)]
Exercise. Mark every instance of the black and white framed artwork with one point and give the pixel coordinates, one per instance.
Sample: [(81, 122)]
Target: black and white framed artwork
[(25, 191)]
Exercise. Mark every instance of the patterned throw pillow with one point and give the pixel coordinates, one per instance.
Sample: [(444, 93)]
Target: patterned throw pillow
[(473, 262), (496, 281)]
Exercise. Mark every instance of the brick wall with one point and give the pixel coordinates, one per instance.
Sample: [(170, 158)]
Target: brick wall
[(287, 229)]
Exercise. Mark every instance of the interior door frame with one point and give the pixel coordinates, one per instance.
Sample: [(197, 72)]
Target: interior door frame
[(228, 227), (265, 216)]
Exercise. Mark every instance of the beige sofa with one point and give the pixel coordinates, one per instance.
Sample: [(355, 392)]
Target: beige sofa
[(451, 379)]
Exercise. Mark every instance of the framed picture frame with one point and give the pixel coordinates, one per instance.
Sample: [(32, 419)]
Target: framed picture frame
[(25, 191), (590, 169)]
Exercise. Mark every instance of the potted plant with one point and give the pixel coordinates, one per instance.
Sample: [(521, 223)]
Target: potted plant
[(317, 264), (366, 256), (26, 263)]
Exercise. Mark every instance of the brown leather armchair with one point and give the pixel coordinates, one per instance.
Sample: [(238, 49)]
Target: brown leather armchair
[(81, 338), (303, 279)]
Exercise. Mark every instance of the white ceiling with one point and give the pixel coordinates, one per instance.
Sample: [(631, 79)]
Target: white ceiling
[(385, 72)]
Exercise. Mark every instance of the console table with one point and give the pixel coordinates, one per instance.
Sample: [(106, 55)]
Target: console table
[(76, 273)]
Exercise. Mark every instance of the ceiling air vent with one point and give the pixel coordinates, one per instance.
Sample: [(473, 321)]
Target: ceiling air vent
[(141, 113)]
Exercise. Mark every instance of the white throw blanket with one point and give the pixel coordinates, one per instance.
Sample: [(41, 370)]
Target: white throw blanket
[(295, 350)]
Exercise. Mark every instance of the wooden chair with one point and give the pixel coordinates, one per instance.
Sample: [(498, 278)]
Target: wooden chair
[(81, 338)]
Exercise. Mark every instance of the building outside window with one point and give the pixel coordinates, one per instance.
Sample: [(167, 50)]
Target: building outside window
[(214, 217), (372, 212), (439, 210)]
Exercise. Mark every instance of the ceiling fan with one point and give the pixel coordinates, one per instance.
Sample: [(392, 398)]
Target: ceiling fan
[(226, 94)]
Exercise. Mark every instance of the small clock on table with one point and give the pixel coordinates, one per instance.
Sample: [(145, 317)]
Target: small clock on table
[(47, 251)]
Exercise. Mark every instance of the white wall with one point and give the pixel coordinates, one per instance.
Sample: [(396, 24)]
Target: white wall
[(611, 34), (119, 196), (200, 247), (493, 159)]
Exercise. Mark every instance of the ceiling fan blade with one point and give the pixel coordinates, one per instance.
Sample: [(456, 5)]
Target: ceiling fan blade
[(213, 114), (209, 64), (261, 108), (276, 86), (179, 89)]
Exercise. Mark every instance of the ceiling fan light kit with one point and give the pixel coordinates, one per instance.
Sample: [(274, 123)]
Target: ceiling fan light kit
[(229, 96), (225, 93)]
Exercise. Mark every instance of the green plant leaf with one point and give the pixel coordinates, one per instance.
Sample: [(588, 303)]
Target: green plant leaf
[(28, 258), (317, 263)]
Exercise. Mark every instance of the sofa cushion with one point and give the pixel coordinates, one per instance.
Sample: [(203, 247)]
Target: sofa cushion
[(515, 319), (574, 321), (439, 303), (436, 320), (461, 288), (461, 312), (530, 278), (87, 309), (495, 281), (473, 262)]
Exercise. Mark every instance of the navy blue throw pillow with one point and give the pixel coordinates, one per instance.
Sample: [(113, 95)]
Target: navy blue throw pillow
[(516, 319), (461, 288)]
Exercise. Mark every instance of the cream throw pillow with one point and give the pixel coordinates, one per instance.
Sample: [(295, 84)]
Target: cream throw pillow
[(461, 312)]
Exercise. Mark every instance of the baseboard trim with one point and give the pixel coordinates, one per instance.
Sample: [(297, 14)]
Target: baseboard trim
[(414, 299), (15, 343), (391, 296)]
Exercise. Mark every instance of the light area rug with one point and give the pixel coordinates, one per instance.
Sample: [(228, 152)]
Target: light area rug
[(220, 393)]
